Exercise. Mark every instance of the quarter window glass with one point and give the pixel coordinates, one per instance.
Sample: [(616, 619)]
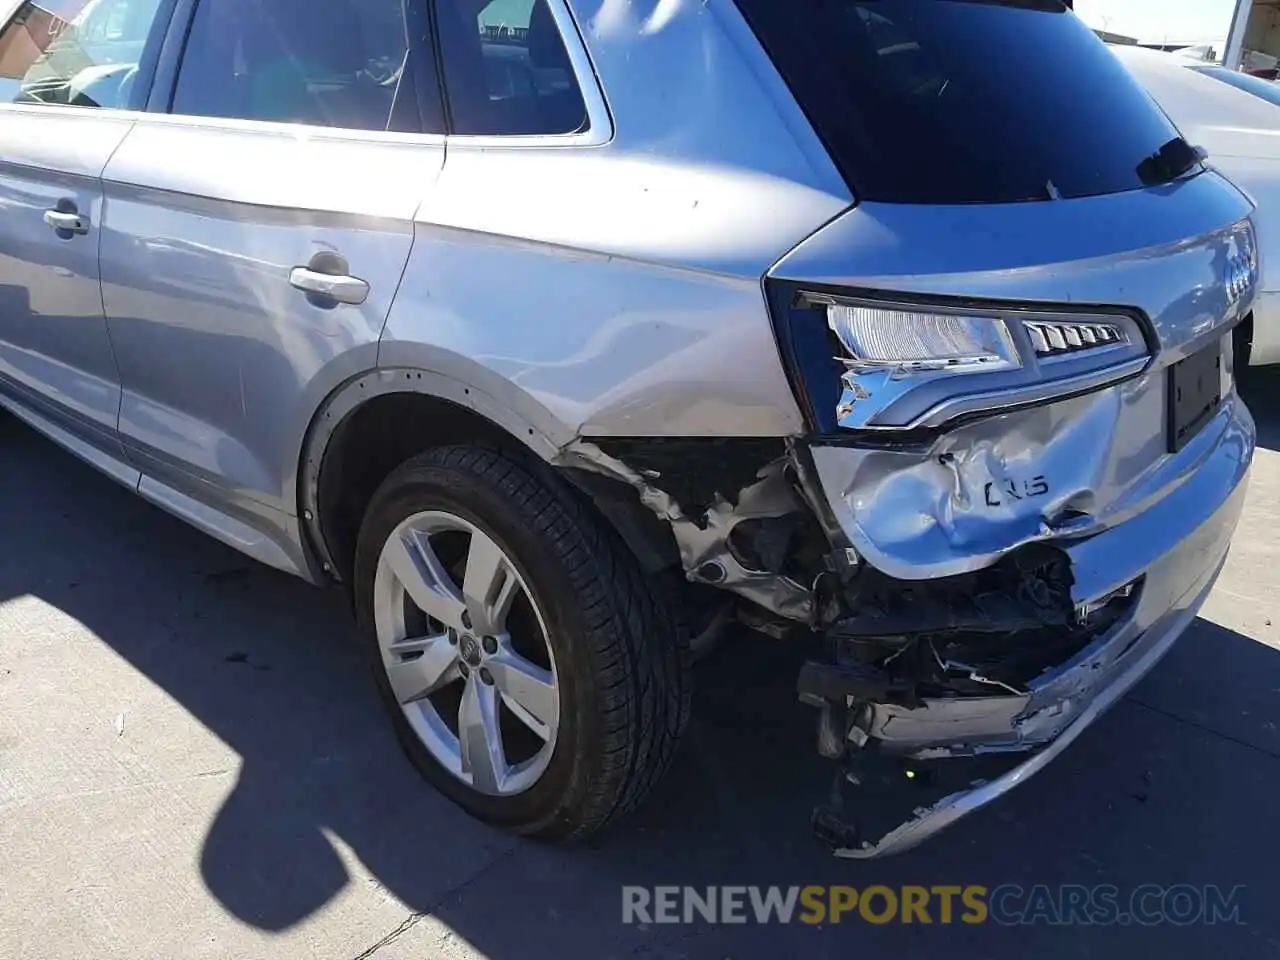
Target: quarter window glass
[(506, 69), (339, 63), (73, 52)]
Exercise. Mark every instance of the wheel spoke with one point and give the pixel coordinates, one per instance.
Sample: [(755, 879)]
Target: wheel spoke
[(540, 729), (414, 678), (479, 737), (424, 578), (489, 585), (527, 688)]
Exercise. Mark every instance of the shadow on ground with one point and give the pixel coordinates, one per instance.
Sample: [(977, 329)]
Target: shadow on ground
[(1171, 787)]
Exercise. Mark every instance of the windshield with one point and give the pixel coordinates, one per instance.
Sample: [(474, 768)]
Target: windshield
[(1266, 89), (964, 101)]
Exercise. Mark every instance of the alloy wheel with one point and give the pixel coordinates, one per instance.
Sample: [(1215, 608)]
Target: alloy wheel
[(465, 649)]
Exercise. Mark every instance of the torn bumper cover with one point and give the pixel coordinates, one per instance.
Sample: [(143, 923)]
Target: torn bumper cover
[(1139, 580)]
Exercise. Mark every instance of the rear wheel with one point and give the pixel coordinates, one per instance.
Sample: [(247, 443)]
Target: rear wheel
[(531, 672)]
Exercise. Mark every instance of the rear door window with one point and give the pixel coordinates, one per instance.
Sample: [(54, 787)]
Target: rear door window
[(337, 63), (963, 101)]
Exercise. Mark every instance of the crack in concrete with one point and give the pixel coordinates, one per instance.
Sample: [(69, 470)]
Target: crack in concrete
[(416, 917), (394, 935), (1204, 728)]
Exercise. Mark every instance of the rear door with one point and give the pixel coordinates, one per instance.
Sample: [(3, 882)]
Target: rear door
[(257, 224), (67, 72)]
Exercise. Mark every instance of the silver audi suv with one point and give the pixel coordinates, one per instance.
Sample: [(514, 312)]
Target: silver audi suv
[(565, 333)]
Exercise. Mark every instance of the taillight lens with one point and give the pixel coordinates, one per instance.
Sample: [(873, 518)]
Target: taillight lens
[(915, 342), (911, 365)]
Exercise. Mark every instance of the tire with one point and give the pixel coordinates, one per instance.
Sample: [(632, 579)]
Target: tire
[(618, 650)]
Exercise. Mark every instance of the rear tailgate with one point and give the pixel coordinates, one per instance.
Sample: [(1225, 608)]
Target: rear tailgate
[(956, 498)]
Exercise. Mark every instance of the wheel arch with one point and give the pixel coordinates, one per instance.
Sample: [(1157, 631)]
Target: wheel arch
[(373, 422)]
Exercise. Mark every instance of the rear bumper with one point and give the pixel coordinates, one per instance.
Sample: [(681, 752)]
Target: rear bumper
[(1176, 549), (1136, 662)]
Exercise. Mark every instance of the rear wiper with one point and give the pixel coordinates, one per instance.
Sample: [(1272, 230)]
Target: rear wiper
[(1170, 162)]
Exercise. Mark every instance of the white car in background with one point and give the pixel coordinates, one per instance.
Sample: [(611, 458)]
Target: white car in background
[(1241, 131)]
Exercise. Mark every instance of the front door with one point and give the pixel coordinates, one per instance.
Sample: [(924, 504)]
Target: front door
[(63, 93)]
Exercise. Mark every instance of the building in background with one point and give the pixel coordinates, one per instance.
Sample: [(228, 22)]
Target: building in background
[(1254, 40), (1194, 28), (33, 29), (1108, 37)]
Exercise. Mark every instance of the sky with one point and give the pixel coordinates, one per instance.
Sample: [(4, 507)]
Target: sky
[(1157, 19)]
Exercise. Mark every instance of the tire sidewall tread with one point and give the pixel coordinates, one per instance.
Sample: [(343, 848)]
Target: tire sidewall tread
[(622, 656)]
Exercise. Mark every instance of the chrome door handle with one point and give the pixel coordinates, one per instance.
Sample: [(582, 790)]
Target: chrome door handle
[(70, 222), (341, 289)]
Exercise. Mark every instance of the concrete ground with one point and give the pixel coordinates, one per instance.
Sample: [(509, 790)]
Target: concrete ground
[(193, 764)]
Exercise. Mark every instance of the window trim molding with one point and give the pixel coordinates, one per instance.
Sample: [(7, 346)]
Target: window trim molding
[(164, 80), (152, 49), (420, 34), (599, 130), (295, 131), (67, 109)]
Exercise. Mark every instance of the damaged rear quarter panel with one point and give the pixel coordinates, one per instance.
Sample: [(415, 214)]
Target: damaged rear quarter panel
[(702, 534)]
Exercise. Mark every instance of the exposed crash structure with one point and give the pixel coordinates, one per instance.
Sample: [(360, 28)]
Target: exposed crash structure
[(900, 655)]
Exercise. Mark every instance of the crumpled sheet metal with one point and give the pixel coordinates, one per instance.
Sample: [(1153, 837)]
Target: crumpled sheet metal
[(1143, 655), (770, 496), (990, 486)]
